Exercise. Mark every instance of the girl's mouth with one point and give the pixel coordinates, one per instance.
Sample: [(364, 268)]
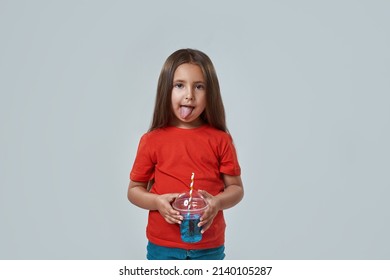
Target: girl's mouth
[(185, 111)]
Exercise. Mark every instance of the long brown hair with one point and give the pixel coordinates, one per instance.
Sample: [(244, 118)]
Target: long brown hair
[(214, 113)]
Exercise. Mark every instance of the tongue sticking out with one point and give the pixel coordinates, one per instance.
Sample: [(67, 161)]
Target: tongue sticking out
[(185, 111)]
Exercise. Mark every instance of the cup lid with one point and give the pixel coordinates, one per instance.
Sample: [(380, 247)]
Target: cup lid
[(184, 203)]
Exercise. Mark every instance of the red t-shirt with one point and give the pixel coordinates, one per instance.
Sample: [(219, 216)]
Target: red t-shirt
[(170, 155)]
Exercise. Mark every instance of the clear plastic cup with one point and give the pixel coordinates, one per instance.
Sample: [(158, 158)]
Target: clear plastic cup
[(191, 210)]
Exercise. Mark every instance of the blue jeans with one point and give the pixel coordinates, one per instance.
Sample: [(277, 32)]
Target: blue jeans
[(156, 252)]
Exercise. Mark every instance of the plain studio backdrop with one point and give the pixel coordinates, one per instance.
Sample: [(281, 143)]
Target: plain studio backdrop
[(306, 89)]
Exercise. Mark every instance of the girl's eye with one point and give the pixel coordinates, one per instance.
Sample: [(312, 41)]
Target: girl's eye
[(179, 85), (201, 87)]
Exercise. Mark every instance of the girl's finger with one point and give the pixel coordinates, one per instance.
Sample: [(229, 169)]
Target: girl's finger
[(205, 227), (205, 194), (173, 219)]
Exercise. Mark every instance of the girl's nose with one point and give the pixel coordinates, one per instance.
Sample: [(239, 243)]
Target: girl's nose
[(190, 95)]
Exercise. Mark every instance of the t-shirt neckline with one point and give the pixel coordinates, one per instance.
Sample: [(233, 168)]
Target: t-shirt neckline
[(203, 126)]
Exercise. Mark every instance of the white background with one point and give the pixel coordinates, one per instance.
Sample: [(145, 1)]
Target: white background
[(306, 90)]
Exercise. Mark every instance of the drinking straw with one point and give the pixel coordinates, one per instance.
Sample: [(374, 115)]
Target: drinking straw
[(191, 189)]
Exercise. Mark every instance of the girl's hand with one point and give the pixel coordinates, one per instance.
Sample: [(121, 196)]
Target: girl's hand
[(208, 216), (163, 205)]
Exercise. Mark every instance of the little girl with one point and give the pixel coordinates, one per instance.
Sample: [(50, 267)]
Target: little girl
[(188, 134)]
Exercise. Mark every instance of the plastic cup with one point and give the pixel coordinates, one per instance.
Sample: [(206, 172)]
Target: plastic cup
[(191, 212)]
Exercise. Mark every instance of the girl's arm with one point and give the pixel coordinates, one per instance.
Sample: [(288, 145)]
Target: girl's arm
[(139, 195), (232, 195)]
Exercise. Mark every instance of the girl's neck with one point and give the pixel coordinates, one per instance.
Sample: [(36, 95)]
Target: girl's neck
[(191, 125)]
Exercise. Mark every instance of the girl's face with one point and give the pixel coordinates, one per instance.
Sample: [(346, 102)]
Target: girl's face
[(188, 96)]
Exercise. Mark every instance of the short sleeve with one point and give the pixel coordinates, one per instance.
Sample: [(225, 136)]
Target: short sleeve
[(228, 158), (143, 167)]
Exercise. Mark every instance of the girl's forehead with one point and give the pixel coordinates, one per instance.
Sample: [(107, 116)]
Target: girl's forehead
[(187, 70)]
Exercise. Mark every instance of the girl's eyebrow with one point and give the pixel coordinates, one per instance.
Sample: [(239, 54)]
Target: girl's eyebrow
[(183, 81)]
